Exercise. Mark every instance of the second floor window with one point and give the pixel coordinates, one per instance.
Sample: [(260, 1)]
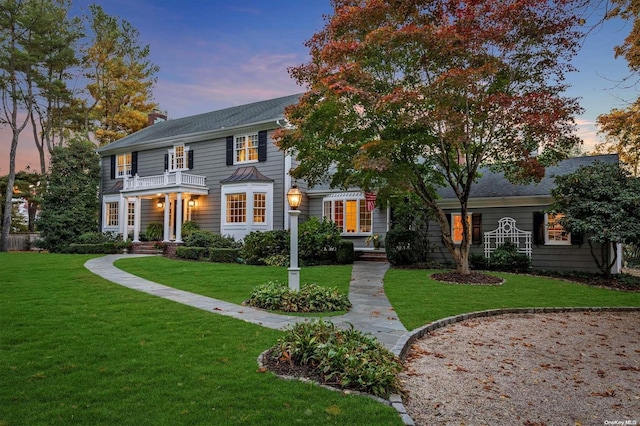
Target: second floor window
[(178, 158), (246, 148), (123, 163)]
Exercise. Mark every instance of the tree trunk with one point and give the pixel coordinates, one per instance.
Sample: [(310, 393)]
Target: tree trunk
[(8, 205)]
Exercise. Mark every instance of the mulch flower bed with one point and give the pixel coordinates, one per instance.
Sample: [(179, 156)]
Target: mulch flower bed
[(473, 278)]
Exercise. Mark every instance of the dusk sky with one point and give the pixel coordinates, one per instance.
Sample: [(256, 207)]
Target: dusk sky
[(216, 54)]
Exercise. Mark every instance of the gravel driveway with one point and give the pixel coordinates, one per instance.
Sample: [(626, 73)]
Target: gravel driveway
[(535, 369)]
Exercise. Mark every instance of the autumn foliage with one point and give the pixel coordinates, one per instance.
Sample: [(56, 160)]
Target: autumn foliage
[(410, 95)]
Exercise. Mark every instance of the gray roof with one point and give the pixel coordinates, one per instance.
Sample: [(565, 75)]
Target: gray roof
[(246, 174), (242, 115), (496, 185)]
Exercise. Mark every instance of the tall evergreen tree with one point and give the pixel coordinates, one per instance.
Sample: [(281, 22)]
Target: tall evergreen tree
[(70, 202)]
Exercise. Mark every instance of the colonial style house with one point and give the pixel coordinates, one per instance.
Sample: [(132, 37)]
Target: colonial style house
[(500, 211), (221, 170)]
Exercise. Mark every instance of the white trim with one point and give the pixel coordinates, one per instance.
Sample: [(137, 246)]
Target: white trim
[(172, 157), (548, 242), (246, 148), (240, 230), (344, 197), (105, 200)]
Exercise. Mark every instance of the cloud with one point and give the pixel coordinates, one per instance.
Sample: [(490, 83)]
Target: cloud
[(588, 132)]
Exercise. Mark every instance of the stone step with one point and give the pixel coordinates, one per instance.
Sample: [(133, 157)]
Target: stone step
[(372, 256)]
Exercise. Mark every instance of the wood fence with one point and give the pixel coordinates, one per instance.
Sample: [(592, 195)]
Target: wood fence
[(23, 242)]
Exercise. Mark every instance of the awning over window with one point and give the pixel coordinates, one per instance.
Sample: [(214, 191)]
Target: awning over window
[(246, 174)]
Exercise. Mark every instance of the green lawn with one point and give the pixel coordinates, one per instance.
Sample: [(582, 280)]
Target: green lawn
[(225, 281), (418, 300), (77, 349)]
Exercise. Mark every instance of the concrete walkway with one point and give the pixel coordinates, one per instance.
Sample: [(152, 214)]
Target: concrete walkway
[(371, 311)]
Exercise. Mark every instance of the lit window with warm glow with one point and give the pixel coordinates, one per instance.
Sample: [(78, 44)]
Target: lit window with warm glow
[(259, 207), (555, 232), (123, 165), (350, 215), (236, 208), (456, 227), (246, 148), (112, 214)]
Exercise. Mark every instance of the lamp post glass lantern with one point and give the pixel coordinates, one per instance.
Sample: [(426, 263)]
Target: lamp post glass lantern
[(294, 198)]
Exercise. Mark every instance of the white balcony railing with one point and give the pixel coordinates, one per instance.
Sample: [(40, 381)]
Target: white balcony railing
[(161, 181)]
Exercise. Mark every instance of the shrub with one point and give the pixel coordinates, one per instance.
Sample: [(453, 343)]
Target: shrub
[(208, 239), (401, 247), (478, 262), (316, 238), (191, 253), (100, 248), (93, 238), (345, 252), (189, 227), (506, 258), (277, 260), (154, 231), (224, 255), (347, 357), (260, 245), (277, 296)]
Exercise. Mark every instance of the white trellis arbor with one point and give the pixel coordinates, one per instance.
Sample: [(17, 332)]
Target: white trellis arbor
[(507, 232)]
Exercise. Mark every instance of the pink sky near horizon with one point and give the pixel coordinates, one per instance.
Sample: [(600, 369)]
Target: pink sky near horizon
[(214, 55)]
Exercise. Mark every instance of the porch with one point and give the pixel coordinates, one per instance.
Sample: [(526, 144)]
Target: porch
[(176, 193)]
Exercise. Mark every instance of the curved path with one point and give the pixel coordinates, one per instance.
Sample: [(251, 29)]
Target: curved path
[(371, 311)]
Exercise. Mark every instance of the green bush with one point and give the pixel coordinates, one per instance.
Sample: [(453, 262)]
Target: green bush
[(260, 245), (401, 247), (189, 227), (224, 255), (347, 357), (208, 239), (506, 258), (99, 248), (345, 253), (478, 262), (316, 239), (277, 296), (191, 253), (154, 231), (277, 260)]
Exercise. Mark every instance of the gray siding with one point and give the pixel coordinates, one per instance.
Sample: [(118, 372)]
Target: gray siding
[(209, 159), (544, 257)]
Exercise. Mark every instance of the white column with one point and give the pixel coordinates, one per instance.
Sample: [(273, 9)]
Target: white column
[(179, 217), (136, 219), (167, 207), (122, 218), (294, 270)]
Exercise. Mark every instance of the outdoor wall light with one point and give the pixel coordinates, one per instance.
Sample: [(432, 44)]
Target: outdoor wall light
[(160, 203), (192, 203)]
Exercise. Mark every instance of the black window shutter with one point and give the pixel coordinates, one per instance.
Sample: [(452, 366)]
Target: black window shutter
[(166, 162), (134, 163), (577, 238), (190, 159), (476, 228), (538, 228), (229, 150), (262, 145), (113, 167)]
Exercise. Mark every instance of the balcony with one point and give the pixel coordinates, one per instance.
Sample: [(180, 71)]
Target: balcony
[(165, 181)]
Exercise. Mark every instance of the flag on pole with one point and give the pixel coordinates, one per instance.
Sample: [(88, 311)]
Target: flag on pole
[(371, 200)]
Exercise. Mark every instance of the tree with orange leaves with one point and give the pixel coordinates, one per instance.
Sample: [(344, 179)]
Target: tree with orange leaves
[(622, 126), (412, 95)]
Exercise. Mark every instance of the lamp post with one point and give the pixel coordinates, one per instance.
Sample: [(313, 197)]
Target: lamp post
[(294, 197)]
